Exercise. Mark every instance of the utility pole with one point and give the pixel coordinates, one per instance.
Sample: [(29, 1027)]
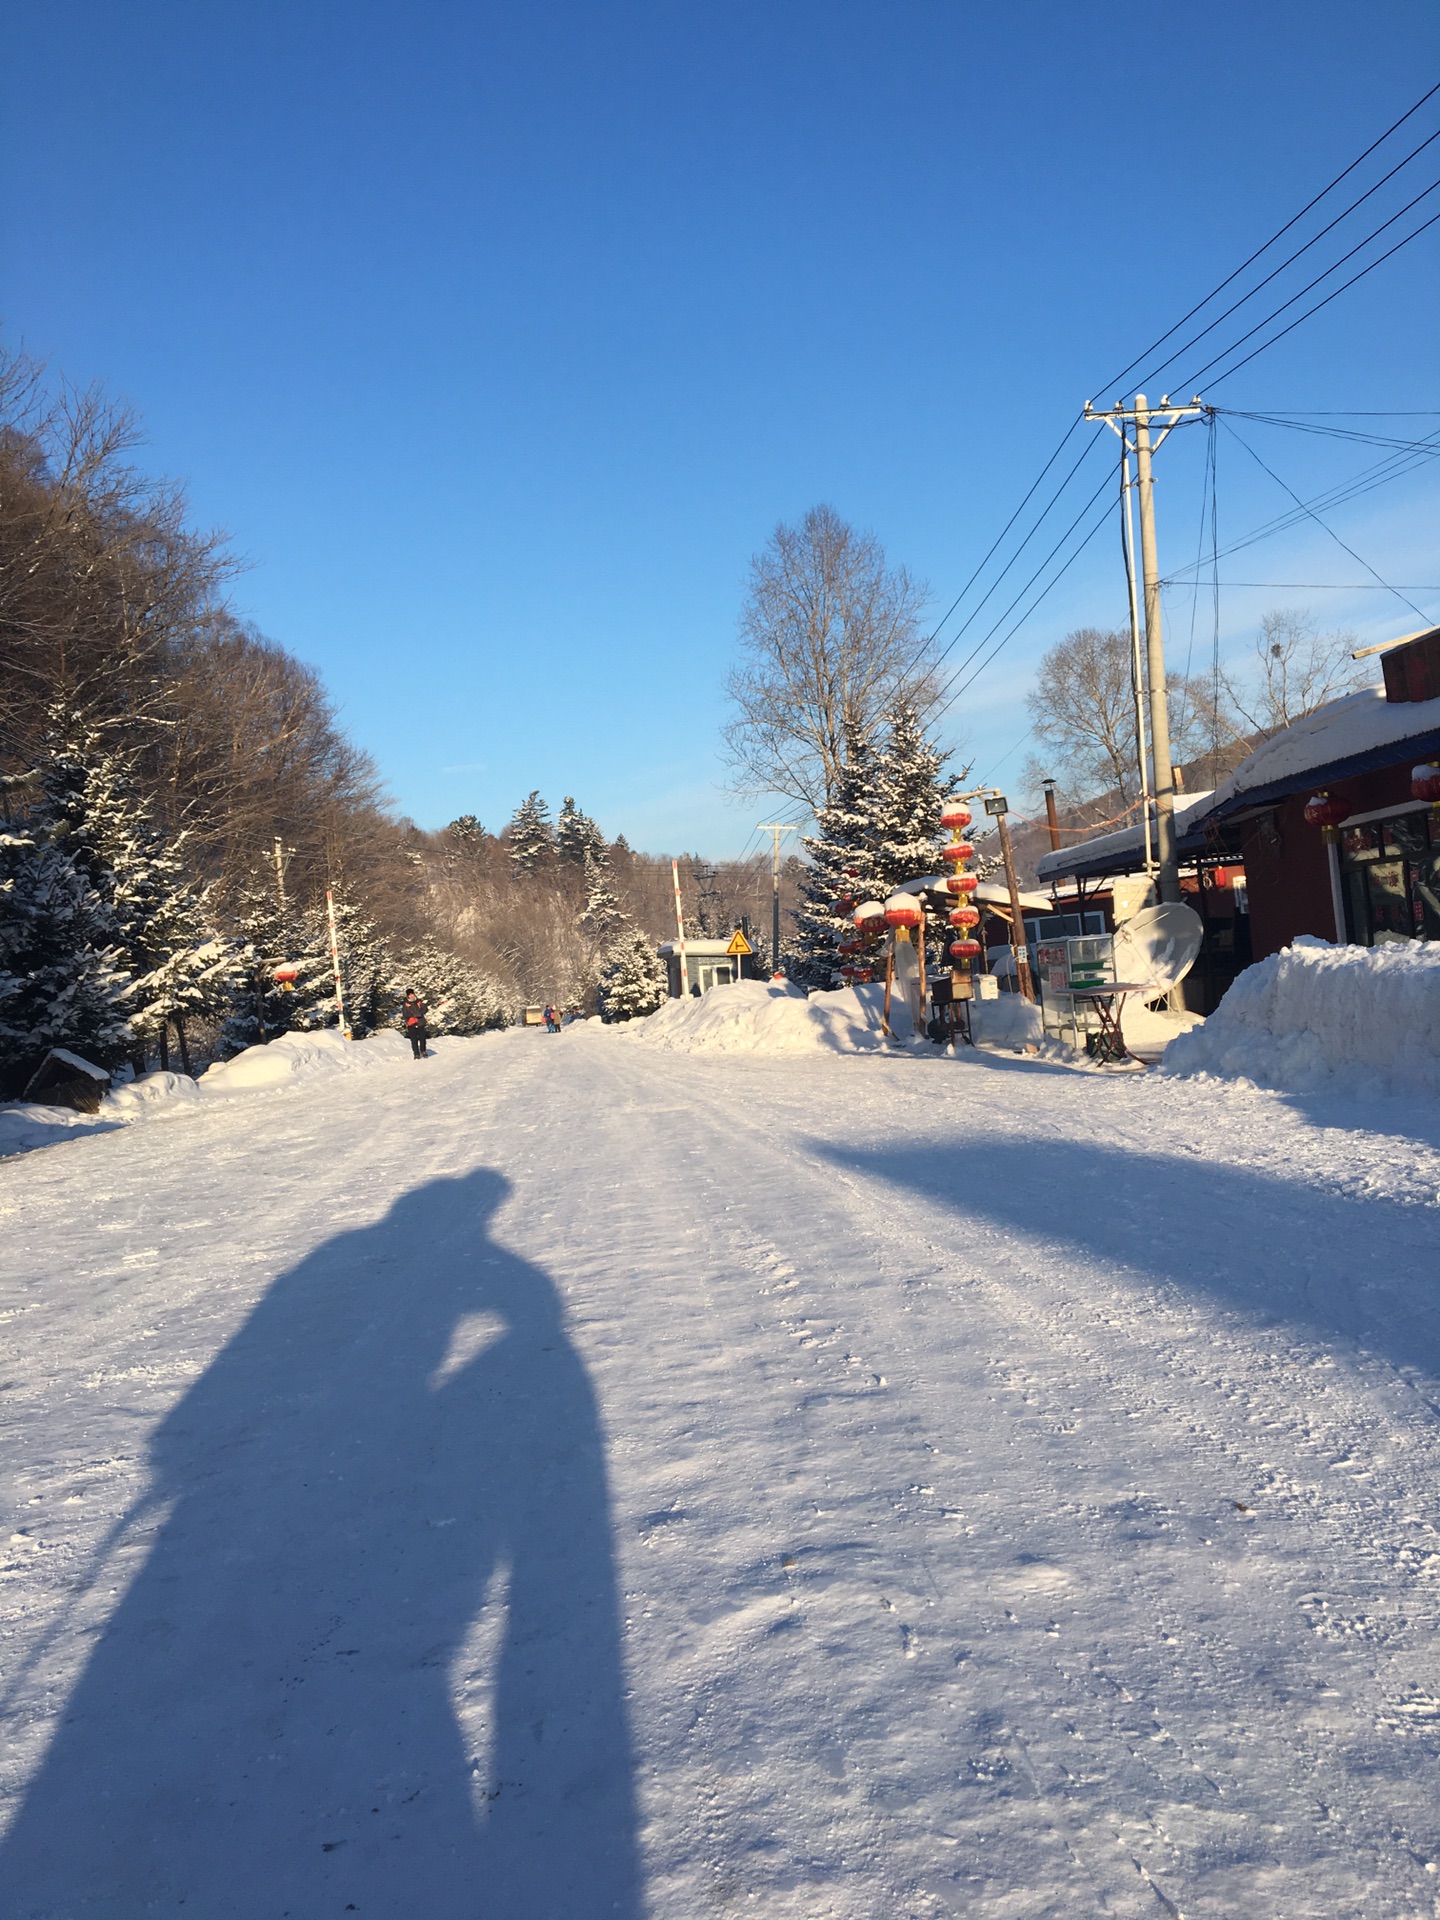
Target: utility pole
[(1141, 416), (997, 806), (1137, 675), (280, 865), (775, 828), (680, 931)]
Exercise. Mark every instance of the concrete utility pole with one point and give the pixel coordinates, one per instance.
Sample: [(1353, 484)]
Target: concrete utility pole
[(775, 828), (680, 932), (1137, 673), (1142, 417), (997, 806)]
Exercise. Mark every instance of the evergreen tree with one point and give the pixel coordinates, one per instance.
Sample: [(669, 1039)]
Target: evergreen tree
[(844, 866), (908, 797), (632, 979), (601, 918), (461, 997), (577, 838), (57, 988), (272, 935), (529, 837), (466, 832), (148, 907)]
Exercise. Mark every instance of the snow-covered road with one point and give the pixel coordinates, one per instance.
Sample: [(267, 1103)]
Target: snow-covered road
[(565, 1478)]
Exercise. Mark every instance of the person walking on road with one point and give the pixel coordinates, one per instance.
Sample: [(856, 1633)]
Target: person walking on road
[(412, 1019), (552, 1021)]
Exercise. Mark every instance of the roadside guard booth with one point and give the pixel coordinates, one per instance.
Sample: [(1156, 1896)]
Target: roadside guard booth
[(709, 963)]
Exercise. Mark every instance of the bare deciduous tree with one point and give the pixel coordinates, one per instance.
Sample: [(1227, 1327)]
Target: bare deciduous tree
[(832, 638), (1296, 670)]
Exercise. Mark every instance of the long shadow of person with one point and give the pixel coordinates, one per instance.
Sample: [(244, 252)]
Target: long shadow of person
[(269, 1724)]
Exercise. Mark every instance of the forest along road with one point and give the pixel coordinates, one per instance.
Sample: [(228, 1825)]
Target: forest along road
[(566, 1478)]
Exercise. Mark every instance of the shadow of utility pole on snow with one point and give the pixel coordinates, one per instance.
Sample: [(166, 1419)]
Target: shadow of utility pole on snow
[(268, 1724)]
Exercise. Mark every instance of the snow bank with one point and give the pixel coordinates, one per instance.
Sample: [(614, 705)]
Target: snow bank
[(753, 1016), (25, 1126), (756, 1017), (1313, 1015), (292, 1059), (302, 1056)]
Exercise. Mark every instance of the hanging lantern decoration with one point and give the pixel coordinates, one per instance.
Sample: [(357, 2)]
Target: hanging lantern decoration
[(285, 976), (955, 817), (869, 918), (1325, 811), (1425, 783), (903, 912), (844, 906)]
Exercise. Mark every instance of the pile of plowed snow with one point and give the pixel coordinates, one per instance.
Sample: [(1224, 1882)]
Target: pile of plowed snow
[(1313, 1015), (285, 1062), (752, 1016), (755, 1016)]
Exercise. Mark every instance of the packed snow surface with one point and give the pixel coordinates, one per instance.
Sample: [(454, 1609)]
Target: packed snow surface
[(569, 1477), (1313, 1014)]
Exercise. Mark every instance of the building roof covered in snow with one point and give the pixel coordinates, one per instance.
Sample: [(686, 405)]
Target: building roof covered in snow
[(1354, 734), (1124, 849)]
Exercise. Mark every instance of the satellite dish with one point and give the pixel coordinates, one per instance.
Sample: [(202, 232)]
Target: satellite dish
[(1157, 947)]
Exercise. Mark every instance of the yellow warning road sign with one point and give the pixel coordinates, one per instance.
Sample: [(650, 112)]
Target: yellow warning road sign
[(739, 944)]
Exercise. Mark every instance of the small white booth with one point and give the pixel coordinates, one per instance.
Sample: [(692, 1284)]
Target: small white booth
[(709, 963)]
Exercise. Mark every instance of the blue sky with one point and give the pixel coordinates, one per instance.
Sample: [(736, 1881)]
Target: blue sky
[(499, 338)]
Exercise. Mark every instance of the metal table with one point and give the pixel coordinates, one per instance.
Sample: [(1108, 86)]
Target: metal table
[(1109, 1004)]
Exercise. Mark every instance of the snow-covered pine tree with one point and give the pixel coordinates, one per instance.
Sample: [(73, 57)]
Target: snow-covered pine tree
[(601, 918), (844, 865), (529, 838), (153, 913), (632, 980), (259, 1008), (57, 988), (460, 997), (577, 838), (908, 795)]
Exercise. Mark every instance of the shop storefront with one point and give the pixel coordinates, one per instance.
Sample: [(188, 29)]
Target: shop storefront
[(1390, 871)]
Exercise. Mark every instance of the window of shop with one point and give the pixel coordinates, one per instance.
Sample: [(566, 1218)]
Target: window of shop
[(1391, 873)]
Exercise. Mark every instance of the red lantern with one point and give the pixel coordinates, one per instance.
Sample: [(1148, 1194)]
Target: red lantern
[(958, 850), (964, 949), (1325, 810), (965, 916), (286, 975), (955, 816), (1425, 782), (844, 908), (870, 917), (903, 910), (962, 883)]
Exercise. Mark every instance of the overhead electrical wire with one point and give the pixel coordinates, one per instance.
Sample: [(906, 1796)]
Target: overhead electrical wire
[(1192, 378), (1321, 524), (1159, 366), (1279, 234), (1402, 456)]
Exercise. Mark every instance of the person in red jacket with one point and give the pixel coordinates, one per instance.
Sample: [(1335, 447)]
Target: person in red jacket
[(412, 1019)]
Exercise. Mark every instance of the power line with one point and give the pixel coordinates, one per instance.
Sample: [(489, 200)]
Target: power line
[(1310, 312), (1314, 241), (1320, 523), (1279, 234)]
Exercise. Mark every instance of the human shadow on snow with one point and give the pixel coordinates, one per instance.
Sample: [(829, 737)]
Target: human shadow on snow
[(268, 1724), (1353, 1270)]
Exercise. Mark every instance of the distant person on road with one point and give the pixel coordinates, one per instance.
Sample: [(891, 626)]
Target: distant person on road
[(412, 1019), (552, 1020)]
